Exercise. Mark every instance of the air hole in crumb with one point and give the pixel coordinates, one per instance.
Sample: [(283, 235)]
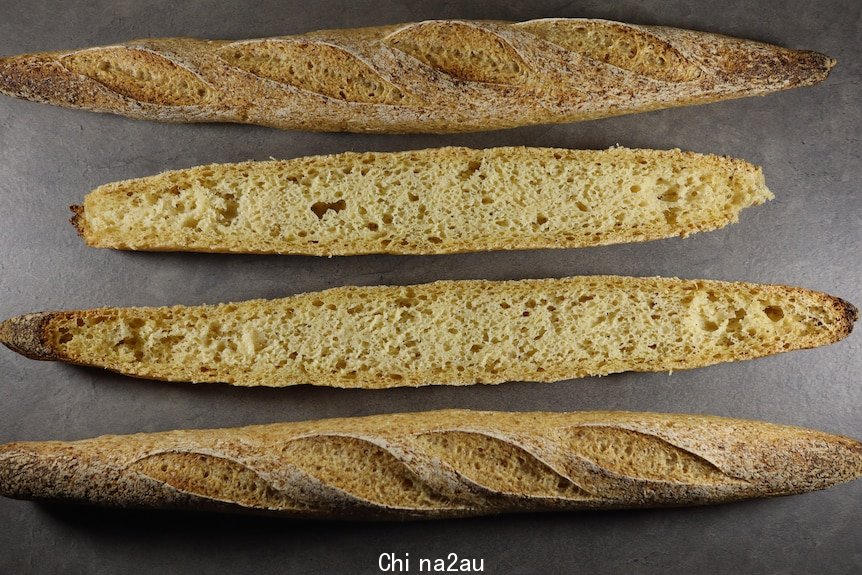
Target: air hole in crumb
[(472, 167), (670, 216), (320, 208), (672, 195), (774, 313)]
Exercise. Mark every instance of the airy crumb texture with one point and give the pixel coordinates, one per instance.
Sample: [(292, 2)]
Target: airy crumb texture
[(437, 464), (449, 332), (424, 202), (434, 76)]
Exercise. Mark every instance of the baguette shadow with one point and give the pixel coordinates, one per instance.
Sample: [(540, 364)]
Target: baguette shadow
[(133, 523)]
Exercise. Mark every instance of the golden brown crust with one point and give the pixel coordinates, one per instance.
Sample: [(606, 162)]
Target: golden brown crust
[(437, 464), (435, 76)]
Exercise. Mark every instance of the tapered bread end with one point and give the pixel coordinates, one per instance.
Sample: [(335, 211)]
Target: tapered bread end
[(26, 335)]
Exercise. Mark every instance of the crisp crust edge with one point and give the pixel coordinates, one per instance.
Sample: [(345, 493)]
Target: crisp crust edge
[(26, 335), (77, 220)]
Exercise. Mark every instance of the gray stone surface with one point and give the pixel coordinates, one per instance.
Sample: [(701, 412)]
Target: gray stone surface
[(807, 140)]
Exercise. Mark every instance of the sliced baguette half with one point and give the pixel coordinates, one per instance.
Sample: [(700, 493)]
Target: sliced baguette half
[(432, 201), (437, 464), (448, 332)]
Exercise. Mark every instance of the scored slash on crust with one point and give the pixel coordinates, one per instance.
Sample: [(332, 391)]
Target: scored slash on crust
[(452, 463), (436, 76)]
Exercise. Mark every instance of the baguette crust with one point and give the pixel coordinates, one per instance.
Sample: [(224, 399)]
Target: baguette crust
[(26, 335), (435, 76), (439, 464), (449, 332), (435, 201), (848, 314)]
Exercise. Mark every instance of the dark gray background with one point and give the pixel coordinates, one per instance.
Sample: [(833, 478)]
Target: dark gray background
[(807, 140)]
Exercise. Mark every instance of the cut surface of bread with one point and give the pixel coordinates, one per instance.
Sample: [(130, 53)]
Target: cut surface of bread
[(434, 76), (448, 332), (437, 464), (424, 202)]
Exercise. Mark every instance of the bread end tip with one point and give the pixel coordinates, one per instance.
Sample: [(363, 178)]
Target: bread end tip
[(25, 335), (849, 314), (5, 80), (17, 75), (819, 66), (851, 458), (77, 220), (9, 469), (856, 448)]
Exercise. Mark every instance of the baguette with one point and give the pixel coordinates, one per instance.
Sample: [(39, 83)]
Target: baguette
[(423, 202), (448, 332), (437, 464), (434, 76)]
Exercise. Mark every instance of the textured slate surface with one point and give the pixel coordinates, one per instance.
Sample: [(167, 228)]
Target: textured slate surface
[(807, 141)]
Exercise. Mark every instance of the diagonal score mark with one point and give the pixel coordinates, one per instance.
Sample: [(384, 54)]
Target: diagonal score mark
[(462, 50), (619, 45), (499, 465), (640, 455), (213, 477), (315, 67), (364, 470), (140, 74)]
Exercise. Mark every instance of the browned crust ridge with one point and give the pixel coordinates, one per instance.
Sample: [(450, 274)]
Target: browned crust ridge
[(437, 464), (415, 78)]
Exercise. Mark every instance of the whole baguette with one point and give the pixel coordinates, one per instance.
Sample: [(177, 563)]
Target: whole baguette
[(434, 76), (448, 332), (433, 201), (437, 464)]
